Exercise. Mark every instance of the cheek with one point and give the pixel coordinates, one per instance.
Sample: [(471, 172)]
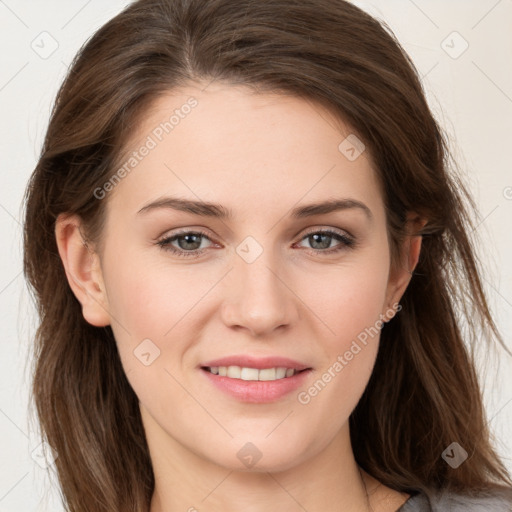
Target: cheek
[(350, 300), (148, 307), (148, 299), (350, 309), (156, 313)]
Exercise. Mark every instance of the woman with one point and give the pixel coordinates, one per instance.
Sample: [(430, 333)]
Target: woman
[(252, 267)]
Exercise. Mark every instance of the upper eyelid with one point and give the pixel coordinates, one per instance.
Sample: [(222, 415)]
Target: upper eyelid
[(203, 233)]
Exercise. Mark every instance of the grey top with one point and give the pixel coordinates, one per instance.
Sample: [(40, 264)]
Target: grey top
[(492, 501)]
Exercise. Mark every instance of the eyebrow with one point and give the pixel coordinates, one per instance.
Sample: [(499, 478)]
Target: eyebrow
[(215, 210)]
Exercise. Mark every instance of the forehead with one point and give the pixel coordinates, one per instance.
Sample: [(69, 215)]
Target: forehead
[(234, 146)]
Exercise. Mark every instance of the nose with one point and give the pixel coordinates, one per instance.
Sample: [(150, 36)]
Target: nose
[(258, 297)]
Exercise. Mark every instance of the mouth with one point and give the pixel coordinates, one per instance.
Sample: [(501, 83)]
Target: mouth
[(253, 374), (256, 378), (256, 385)]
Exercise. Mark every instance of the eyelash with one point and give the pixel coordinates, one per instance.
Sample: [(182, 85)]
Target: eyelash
[(347, 242)]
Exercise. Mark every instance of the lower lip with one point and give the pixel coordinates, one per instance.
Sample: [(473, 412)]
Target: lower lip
[(258, 391)]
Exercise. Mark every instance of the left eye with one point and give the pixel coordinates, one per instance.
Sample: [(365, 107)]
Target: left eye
[(189, 242), (323, 239)]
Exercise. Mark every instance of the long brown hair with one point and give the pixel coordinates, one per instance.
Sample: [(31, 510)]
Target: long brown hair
[(423, 394)]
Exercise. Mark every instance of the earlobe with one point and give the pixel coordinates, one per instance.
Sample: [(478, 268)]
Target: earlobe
[(83, 270)]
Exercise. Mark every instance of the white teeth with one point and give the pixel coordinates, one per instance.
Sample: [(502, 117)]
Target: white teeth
[(268, 374), (248, 374), (281, 372), (244, 373), (234, 372)]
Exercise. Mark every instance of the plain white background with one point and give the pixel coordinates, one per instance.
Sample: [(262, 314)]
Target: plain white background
[(463, 51)]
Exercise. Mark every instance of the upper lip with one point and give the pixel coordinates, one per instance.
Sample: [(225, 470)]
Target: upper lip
[(248, 361)]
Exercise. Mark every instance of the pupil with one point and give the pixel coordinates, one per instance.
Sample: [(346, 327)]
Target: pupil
[(187, 244), (324, 245)]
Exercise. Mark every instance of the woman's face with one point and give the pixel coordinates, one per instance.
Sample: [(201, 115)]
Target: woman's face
[(269, 277)]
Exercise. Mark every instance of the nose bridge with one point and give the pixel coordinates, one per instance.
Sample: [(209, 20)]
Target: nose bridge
[(257, 297)]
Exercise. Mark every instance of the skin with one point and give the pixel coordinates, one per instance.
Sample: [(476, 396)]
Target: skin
[(259, 155)]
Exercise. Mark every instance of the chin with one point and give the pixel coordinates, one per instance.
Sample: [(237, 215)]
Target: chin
[(258, 456)]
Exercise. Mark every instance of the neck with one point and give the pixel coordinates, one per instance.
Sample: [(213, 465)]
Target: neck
[(329, 480)]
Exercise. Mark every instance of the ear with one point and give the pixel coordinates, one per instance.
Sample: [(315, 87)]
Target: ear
[(83, 271), (401, 274)]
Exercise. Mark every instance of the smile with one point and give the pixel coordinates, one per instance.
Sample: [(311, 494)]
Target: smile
[(245, 373)]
